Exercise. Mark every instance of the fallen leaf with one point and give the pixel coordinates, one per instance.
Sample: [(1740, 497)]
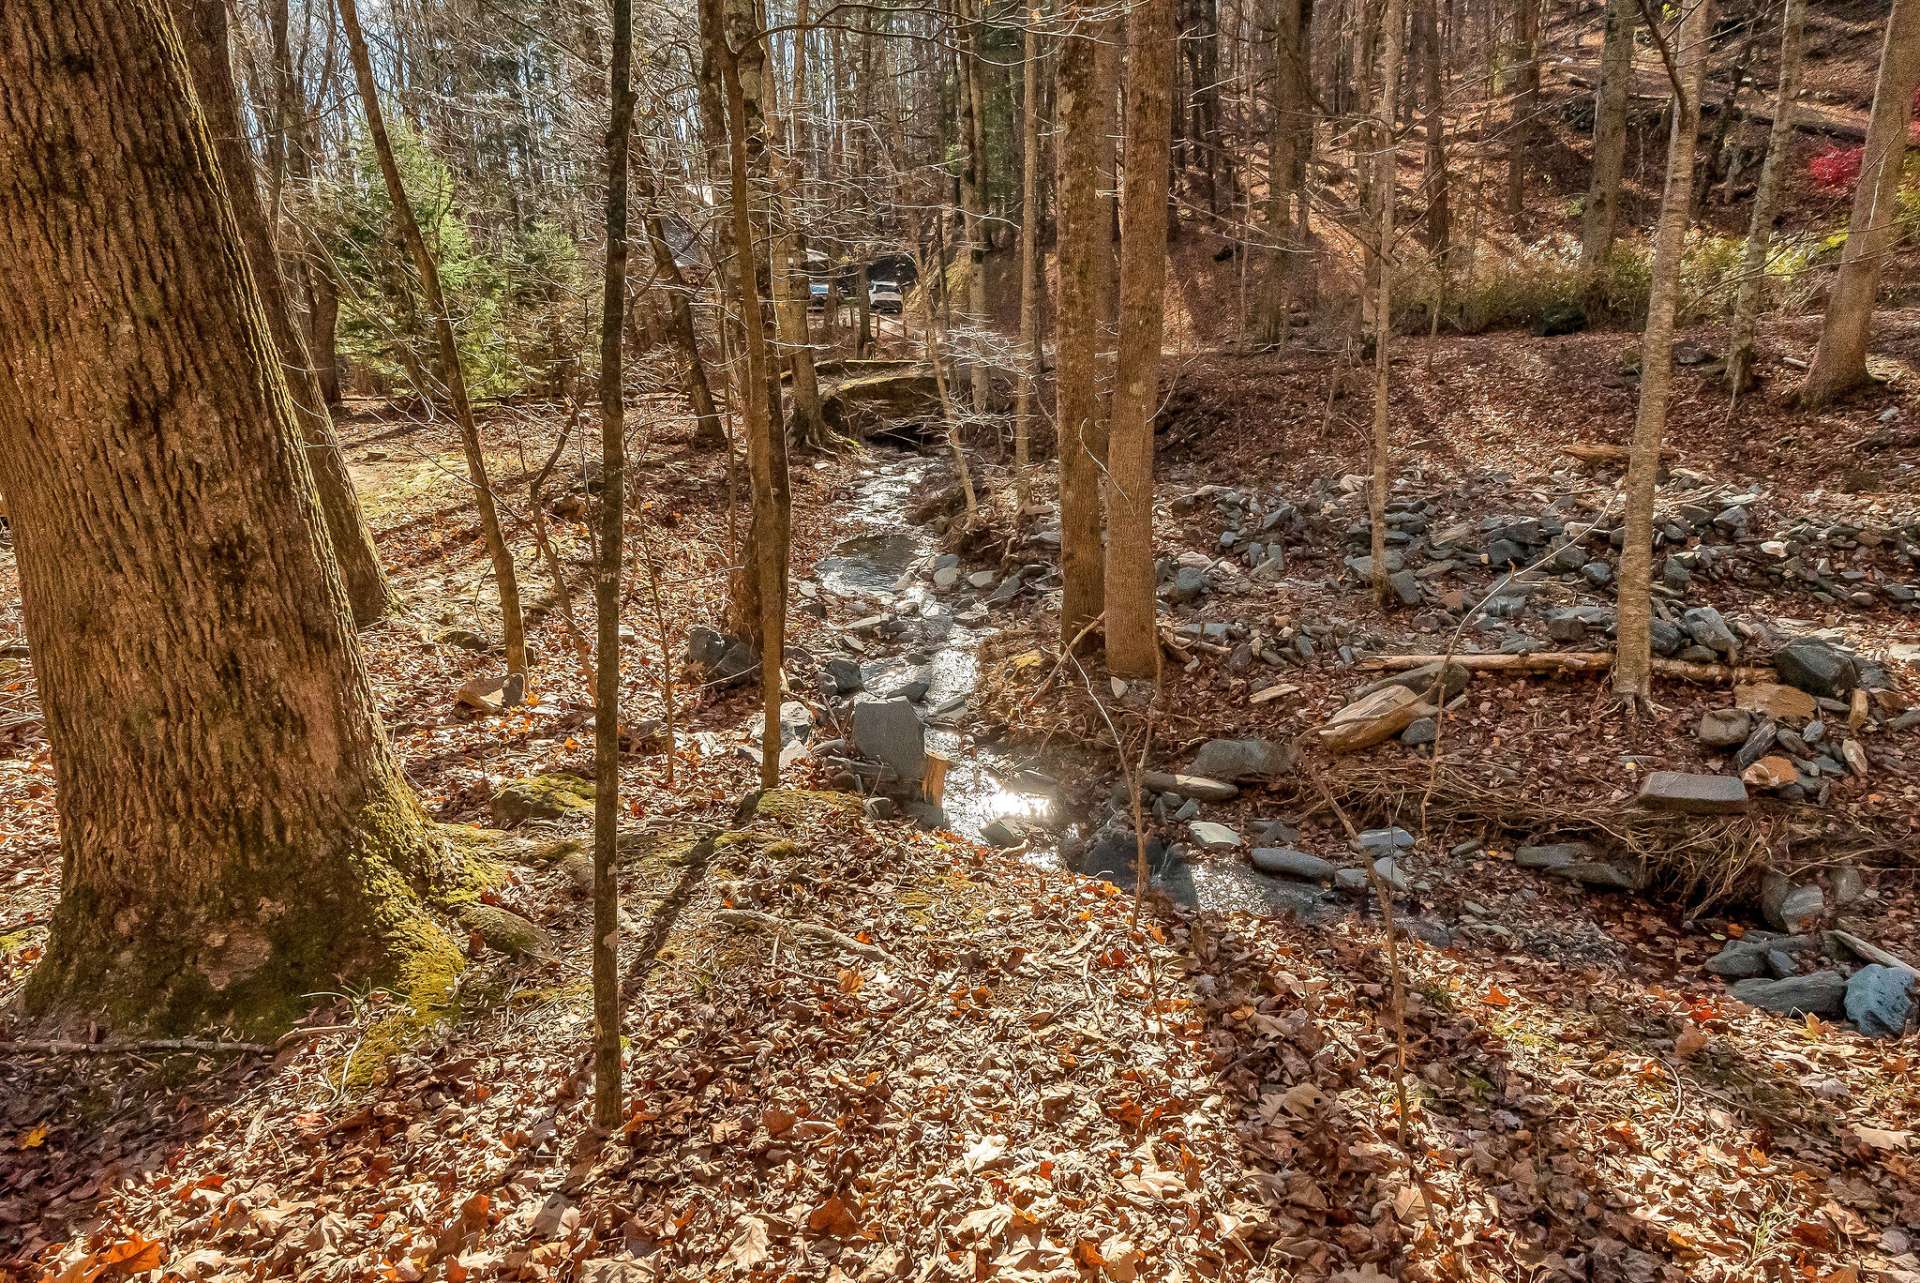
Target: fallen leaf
[(984, 1153), (833, 1217), (749, 1248)]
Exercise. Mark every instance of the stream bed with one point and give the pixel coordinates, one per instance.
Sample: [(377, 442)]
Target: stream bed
[(891, 565)]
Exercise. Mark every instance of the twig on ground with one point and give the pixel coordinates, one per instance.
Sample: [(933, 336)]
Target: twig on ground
[(839, 939)]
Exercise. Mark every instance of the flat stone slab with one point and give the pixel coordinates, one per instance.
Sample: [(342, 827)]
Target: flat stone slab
[(1821, 994), (1214, 837), (890, 732), (1688, 793), (1552, 855), (1880, 1000), (1198, 787), (1285, 862)]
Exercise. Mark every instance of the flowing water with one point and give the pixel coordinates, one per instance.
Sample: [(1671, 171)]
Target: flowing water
[(881, 567)]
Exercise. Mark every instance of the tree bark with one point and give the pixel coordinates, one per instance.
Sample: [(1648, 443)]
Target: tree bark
[(1840, 363), (1753, 265), (1029, 260), (1631, 672), (1602, 213), (1433, 125), (1083, 245), (1386, 191), (235, 831), (606, 587), (707, 430), (1289, 119), (202, 25), (1526, 101), (732, 43), (973, 183), (1133, 645), (512, 625)]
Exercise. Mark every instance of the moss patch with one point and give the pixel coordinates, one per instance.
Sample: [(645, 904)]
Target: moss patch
[(557, 796)]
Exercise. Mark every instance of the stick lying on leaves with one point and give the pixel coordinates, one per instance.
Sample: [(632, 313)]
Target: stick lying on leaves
[(142, 1046), (1579, 662), (839, 939)]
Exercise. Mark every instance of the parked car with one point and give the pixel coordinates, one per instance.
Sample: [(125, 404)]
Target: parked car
[(884, 296)]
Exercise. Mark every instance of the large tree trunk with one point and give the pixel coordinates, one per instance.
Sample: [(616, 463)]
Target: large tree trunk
[(1526, 101), (235, 832), (731, 42), (606, 587), (1602, 213), (203, 30), (1386, 191), (1433, 125), (1840, 364), (973, 186), (1133, 645), (1083, 246), (512, 625), (1289, 123), (1632, 670), (1746, 304), (1028, 358)]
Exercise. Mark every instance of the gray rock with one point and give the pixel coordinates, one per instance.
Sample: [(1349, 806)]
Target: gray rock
[(1598, 873), (1406, 587), (1705, 625), (1276, 833), (1816, 666), (1213, 837), (1724, 727), (1789, 906), (1823, 993), (796, 723), (1188, 583), (890, 732), (846, 675), (1285, 862), (1387, 840), (1687, 793), (1421, 730), (946, 577), (999, 833), (1350, 881), (1848, 886), (1880, 1000), (981, 579), (1598, 573), (1241, 759), (1554, 855), (1756, 745), (1387, 869), (1188, 809)]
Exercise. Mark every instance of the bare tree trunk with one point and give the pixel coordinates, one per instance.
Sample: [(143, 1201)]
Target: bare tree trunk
[(1289, 119), (203, 29), (1386, 185), (1632, 668), (789, 250), (1753, 266), (1526, 101), (1840, 364), (1433, 79), (1029, 259), (1083, 245), (235, 830), (606, 588), (731, 39), (512, 627), (707, 430), (1133, 645), (1602, 213), (973, 185)]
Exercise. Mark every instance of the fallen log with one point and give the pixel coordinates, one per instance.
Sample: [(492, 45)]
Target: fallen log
[(1593, 453), (1573, 662)]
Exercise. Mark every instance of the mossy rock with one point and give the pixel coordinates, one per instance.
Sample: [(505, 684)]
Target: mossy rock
[(507, 931), (543, 797)]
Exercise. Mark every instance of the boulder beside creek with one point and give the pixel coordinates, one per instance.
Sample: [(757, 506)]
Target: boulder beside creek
[(890, 732), (1822, 993), (1241, 759), (1285, 862)]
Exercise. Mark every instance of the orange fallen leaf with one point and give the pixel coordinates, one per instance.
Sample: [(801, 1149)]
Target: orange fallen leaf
[(1495, 998)]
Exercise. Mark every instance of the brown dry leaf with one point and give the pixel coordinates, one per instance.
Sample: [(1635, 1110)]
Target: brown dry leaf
[(1155, 1183), (1121, 1259), (1303, 1100), (986, 1221), (1690, 1041), (833, 1217), (749, 1249), (984, 1153), (777, 1121)]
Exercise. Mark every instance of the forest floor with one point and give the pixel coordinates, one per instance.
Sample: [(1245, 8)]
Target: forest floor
[(863, 1050)]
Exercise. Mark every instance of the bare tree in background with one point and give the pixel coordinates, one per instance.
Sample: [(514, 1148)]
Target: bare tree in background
[(1753, 264)]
